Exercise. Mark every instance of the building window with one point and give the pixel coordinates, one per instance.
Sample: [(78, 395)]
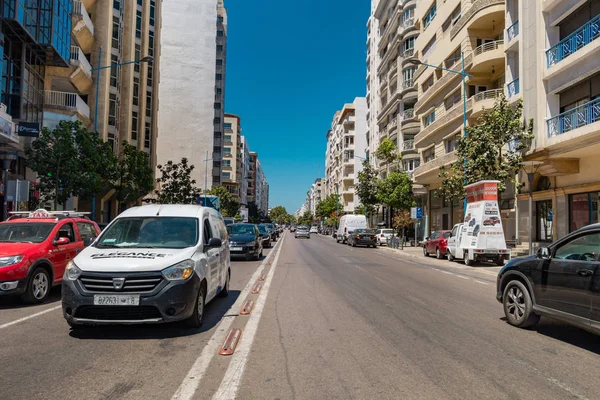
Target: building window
[(227, 163), (140, 2), (429, 118), (451, 143), (115, 33), (430, 15), (217, 120), (226, 150), (151, 43), (409, 44), (136, 91), (226, 175), (227, 138), (149, 77), (216, 149), (583, 210), (427, 84), (411, 165), (138, 24), (147, 136), (148, 104), (112, 110), (216, 164), (429, 155), (219, 91), (219, 19), (117, 4), (138, 56), (152, 12), (453, 99), (219, 33), (219, 77), (227, 125), (217, 106), (219, 61), (429, 47), (114, 60), (134, 125), (219, 47)]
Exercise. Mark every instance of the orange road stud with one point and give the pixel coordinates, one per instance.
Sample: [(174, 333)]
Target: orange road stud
[(256, 288), (231, 341), (247, 308), (262, 277)]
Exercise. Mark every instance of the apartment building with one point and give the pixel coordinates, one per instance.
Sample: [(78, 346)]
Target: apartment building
[(262, 190), (315, 195), (449, 31), (232, 156), (372, 80), (554, 46), (244, 190), (120, 103), (252, 177), (192, 70), (346, 149)]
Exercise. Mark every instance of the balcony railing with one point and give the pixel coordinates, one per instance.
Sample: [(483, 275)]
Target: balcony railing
[(488, 47), (512, 31), (407, 84), (408, 114), (79, 9), (488, 94), (512, 88), (66, 100), (577, 117), (408, 145), (409, 23), (409, 53), (575, 41), (393, 123), (77, 55)]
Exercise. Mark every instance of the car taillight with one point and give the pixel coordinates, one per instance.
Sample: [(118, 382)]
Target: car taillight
[(345, 230)]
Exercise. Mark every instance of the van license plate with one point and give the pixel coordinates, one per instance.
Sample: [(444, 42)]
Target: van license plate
[(236, 249), (116, 300)]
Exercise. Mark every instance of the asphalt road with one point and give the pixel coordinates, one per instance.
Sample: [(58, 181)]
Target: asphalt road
[(330, 322)]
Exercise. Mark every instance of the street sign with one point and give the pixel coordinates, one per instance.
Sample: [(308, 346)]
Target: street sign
[(416, 212), (31, 129)]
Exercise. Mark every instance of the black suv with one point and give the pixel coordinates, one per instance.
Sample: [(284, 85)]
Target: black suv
[(561, 281)]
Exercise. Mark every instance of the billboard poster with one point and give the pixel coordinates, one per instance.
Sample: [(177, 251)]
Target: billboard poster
[(244, 214), (483, 219)]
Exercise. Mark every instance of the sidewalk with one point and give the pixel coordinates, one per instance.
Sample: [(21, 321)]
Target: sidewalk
[(408, 250)]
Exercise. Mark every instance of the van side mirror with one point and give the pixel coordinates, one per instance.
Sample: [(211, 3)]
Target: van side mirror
[(543, 253), (213, 243)]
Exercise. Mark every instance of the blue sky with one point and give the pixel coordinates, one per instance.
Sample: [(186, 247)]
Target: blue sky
[(290, 66)]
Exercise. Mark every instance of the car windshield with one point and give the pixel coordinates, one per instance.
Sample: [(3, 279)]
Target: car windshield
[(267, 227), (262, 229), (150, 232), (240, 229), (25, 232)]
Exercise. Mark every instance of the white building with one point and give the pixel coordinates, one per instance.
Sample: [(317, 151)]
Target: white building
[(315, 195), (262, 190), (191, 75), (346, 150), (373, 62), (244, 192)]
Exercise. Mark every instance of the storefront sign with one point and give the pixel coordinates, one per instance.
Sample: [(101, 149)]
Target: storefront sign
[(30, 129)]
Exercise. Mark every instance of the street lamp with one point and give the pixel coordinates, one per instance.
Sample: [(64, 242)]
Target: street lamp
[(464, 77), (147, 59), (530, 168), (206, 160)]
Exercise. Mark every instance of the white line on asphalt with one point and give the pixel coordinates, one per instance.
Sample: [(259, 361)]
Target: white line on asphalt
[(463, 277), (233, 377), (29, 317), (483, 283), (190, 383), (447, 273)]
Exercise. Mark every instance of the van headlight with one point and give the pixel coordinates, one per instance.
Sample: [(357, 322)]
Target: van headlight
[(180, 271), (72, 272)]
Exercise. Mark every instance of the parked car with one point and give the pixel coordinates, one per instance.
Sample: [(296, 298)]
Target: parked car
[(314, 229), (383, 235), (229, 221), (272, 230), (153, 264), (302, 231), (265, 236), (348, 223), (36, 247), (363, 237), (245, 240), (560, 281), (436, 244)]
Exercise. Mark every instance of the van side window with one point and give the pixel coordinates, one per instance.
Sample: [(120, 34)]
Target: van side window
[(207, 232)]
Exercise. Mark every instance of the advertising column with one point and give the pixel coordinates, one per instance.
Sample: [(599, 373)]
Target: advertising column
[(484, 224)]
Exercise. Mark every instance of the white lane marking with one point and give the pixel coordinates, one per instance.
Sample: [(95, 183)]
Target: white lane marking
[(482, 282), (190, 383), (6, 325), (233, 376), (463, 277), (447, 273)]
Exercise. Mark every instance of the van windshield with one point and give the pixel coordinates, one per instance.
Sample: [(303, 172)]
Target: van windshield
[(150, 233)]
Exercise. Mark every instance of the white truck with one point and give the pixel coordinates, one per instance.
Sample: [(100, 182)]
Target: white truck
[(480, 237)]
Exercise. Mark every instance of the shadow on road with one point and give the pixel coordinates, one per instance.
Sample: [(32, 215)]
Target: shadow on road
[(10, 302), (215, 311)]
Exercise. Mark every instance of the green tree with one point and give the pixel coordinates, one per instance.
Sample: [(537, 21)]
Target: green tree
[(229, 205), (360, 210), (278, 214), (396, 191), (253, 216), (134, 177), (493, 150), (176, 183), (366, 188), (401, 221), (306, 218), (327, 206), (387, 153)]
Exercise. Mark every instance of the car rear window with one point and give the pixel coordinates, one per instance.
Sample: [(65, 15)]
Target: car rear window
[(390, 231)]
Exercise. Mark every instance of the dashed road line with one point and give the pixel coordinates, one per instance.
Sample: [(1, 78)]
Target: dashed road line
[(482, 282), (6, 325)]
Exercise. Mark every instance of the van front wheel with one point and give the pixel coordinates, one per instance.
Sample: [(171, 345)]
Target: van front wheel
[(195, 320)]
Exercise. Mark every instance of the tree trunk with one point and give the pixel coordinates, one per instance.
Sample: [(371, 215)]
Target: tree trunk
[(402, 240)]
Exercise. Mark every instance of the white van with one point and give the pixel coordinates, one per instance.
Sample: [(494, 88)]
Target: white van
[(455, 249), (348, 223), (152, 264)]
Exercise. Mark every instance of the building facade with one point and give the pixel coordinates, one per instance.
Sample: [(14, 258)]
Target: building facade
[(232, 156), (219, 105), (554, 47), (315, 195), (262, 190), (372, 80), (451, 32), (191, 110), (346, 149), (244, 190), (252, 177)]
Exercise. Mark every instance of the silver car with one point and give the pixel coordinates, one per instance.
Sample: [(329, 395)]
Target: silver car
[(302, 231), (383, 235)]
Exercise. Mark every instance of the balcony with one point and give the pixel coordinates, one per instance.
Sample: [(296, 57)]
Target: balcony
[(408, 145), (382, 81), (83, 28), (407, 55), (348, 160), (479, 16), (484, 101), (512, 35), (428, 173), (383, 132), (444, 81), (393, 124), (487, 56), (578, 117), (349, 177), (81, 72), (512, 88), (408, 23), (67, 102), (425, 136), (574, 42)]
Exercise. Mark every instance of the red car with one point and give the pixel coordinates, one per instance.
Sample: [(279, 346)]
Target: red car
[(436, 244), (35, 249)]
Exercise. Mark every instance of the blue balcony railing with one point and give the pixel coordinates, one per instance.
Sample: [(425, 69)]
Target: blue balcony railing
[(575, 41), (577, 117), (512, 88), (512, 31)]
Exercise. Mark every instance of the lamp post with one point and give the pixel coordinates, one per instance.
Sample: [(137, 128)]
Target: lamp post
[(147, 59), (530, 168), (206, 160), (464, 77)]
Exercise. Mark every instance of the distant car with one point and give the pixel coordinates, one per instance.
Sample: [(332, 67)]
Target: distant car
[(436, 244), (383, 235), (229, 221), (302, 231), (362, 237), (271, 229), (314, 229), (245, 241), (265, 235), (491, 221)]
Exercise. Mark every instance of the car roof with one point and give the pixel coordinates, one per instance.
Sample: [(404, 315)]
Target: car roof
[(166, 210)]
